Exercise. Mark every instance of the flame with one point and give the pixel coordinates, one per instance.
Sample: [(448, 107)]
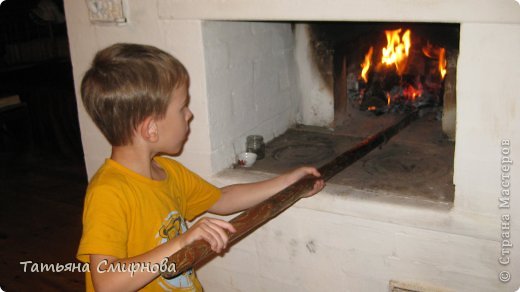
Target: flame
[(397, 48), (442, 62), (437, 53), (366, 64), (411, 93), (405, 90), (429, 51)]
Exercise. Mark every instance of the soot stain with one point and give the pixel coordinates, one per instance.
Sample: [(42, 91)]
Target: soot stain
[(311, 247)]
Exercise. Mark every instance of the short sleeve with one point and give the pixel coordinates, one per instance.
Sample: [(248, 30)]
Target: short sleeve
[(104, 224), (199, 194)]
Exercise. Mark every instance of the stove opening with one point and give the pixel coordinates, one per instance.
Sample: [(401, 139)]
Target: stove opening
[(392, 68), (377, 73)]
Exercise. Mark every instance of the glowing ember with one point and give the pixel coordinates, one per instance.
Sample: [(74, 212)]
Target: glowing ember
[(411, 93), (366, 64), (429, 51), (397, 48)]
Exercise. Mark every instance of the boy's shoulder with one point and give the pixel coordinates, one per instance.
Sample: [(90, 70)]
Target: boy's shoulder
[(114, 179), (178, 172), (109, 176), (114, 176), (111, 171), (172, 166)]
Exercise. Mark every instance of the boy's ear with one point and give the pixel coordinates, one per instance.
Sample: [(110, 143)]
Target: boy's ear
[(149, 130)]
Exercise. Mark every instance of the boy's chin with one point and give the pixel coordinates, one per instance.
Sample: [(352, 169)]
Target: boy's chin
[(173, 152), (177, 150)]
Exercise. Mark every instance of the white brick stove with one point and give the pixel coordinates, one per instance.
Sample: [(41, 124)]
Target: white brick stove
[(245, 79)]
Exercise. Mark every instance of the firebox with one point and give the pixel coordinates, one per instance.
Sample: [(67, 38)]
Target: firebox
[(388, 67), (376, 74)]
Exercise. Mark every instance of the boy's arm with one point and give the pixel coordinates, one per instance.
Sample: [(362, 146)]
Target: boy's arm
[(239, 197), (209, 229)]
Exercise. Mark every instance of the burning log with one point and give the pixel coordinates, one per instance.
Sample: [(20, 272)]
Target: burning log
[(407, 77), (200, 251)]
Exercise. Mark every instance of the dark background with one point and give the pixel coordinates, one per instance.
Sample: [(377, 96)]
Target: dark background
[(42, 173)]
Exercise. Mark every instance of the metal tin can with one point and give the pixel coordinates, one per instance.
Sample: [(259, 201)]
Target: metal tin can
[(255, 144)]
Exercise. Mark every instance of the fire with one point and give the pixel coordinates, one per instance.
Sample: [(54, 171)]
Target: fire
[(437, 53), (411, 93), (366, 64), (397, 48), (404, 87), (429, 51), (442, 62)]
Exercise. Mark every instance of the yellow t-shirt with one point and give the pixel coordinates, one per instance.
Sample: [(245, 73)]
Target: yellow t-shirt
[(127, 214)]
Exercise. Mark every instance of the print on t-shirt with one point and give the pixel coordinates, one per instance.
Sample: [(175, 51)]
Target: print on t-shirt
[(173, 226)]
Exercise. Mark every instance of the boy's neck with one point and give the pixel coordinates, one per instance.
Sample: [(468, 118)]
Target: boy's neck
[(138, 161)]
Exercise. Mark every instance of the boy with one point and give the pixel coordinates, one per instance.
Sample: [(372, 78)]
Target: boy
[(137, 202)]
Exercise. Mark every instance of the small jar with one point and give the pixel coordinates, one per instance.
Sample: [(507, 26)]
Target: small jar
[(255, 144)]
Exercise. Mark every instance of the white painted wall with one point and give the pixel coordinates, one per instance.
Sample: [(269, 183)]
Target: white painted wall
[(346, 239), (494, 11), (317, 98), (183, 39), (251, 79), (488, 110)]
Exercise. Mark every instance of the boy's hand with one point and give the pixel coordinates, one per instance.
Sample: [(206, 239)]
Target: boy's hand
[(304, 171), (211, 230)]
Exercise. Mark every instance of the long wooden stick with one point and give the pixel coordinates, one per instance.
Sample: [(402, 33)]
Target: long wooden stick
[(200, 251)]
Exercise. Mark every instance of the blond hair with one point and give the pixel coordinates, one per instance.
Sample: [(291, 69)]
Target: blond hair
[(128, 83)]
